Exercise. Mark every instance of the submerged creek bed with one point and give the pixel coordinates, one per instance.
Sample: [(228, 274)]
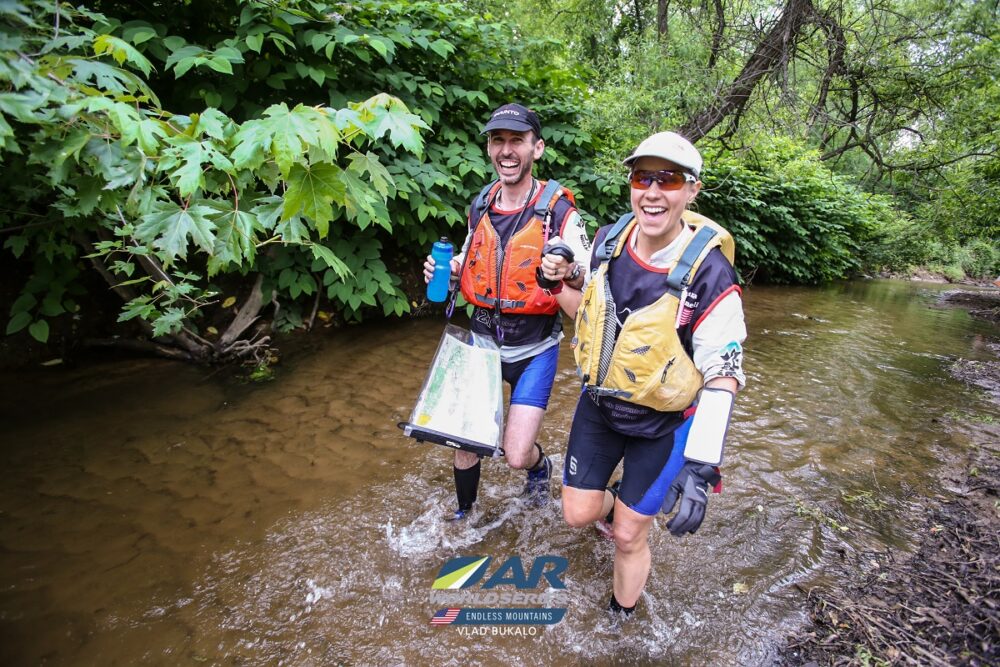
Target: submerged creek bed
[(154, 512), (940, 605)]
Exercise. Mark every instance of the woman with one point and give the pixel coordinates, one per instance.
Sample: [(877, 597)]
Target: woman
[(659, 324)]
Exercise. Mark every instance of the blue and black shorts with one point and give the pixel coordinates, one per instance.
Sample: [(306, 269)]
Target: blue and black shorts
[(595, 450), (531, 379)]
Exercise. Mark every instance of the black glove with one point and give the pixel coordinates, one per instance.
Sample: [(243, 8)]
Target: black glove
[(691, 486), (558, 248)]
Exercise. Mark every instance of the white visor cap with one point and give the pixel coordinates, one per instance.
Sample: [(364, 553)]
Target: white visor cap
[(669, 146)]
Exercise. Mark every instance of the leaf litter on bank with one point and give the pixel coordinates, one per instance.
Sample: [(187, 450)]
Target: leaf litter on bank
[(940, 606)]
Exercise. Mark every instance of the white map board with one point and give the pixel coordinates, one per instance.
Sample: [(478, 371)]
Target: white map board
[(463, 393)]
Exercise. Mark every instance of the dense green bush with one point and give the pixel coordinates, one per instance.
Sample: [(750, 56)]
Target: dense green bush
[(905, 245), (301, 153), (898, 246), (980, 259), (794, 221), (189, 148)]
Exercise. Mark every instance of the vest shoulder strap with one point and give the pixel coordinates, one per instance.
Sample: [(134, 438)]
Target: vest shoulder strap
[(481, 203), (680, 275), (546, 203), (552, 192), (611, 240), (550, 195)]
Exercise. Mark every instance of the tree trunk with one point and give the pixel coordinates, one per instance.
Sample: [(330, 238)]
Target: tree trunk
[(772, 54), (662, 18), (717, 34)]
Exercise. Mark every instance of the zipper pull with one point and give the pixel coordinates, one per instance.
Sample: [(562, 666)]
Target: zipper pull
[(663, 378)]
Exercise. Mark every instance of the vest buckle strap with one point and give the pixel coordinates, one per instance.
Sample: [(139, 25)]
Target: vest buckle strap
[(504, 304), (606, 391), (488, 300), (507, 304)]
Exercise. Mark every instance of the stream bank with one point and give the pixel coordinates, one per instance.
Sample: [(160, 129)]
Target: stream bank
[(938, 605)]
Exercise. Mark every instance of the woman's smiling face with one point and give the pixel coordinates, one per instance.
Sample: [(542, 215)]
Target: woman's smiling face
[(658, 211)]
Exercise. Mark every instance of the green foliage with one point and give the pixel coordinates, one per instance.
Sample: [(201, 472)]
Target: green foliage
[(298, 140), (903, 245), (980, 259), (793, 220), (900, 96), (897, 246), (178, 147)]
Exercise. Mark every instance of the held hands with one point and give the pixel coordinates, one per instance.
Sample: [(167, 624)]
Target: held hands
[(557, 257), (429, 264), (691, 487)]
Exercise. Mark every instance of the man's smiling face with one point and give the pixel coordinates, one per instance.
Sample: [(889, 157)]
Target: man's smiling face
[(513, 154)]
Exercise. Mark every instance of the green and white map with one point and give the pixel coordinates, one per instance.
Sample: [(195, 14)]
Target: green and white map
[(463, 393)]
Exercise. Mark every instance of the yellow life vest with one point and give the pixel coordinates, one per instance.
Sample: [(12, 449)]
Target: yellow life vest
[(646, 364)]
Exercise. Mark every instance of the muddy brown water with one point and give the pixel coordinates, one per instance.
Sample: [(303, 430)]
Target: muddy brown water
[(150, 514)]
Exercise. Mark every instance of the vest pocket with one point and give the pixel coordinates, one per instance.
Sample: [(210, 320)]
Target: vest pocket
[(671, 387), (650, 361)]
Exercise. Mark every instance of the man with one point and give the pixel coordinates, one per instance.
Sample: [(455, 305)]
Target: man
[(509, 223)]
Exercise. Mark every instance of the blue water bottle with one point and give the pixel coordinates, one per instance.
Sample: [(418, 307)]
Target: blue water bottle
[(437, 288)]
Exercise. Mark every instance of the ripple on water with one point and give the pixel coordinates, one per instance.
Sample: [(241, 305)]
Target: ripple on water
[(165, 519)]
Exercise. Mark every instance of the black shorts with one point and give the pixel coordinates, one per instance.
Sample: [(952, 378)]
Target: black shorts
[(595, 450)]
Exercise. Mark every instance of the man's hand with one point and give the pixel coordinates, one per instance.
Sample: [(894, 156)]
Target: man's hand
[(691, 487), (429, 268), (557, 258)]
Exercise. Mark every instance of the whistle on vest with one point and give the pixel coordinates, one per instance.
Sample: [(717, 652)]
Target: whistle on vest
[(553, 247)]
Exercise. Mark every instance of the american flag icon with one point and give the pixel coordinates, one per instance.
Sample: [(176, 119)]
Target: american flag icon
[(445, 616), (685, 317)]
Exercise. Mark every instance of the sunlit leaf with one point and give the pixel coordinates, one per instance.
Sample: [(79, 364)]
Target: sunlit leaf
[(122, 52), (401, 126), (380, 177), (169, 322), (312, 191)]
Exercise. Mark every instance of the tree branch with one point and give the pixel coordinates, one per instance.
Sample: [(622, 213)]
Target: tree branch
[(247, 315), (771, 54), (717, 34)]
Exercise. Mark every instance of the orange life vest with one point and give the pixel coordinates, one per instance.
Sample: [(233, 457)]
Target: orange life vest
[(487, 265)]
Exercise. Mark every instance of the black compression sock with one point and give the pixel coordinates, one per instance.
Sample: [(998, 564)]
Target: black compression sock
[(467, 485), (616, 607)]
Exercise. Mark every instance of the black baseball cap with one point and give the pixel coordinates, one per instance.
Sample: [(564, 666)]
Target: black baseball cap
[(514, 117)]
